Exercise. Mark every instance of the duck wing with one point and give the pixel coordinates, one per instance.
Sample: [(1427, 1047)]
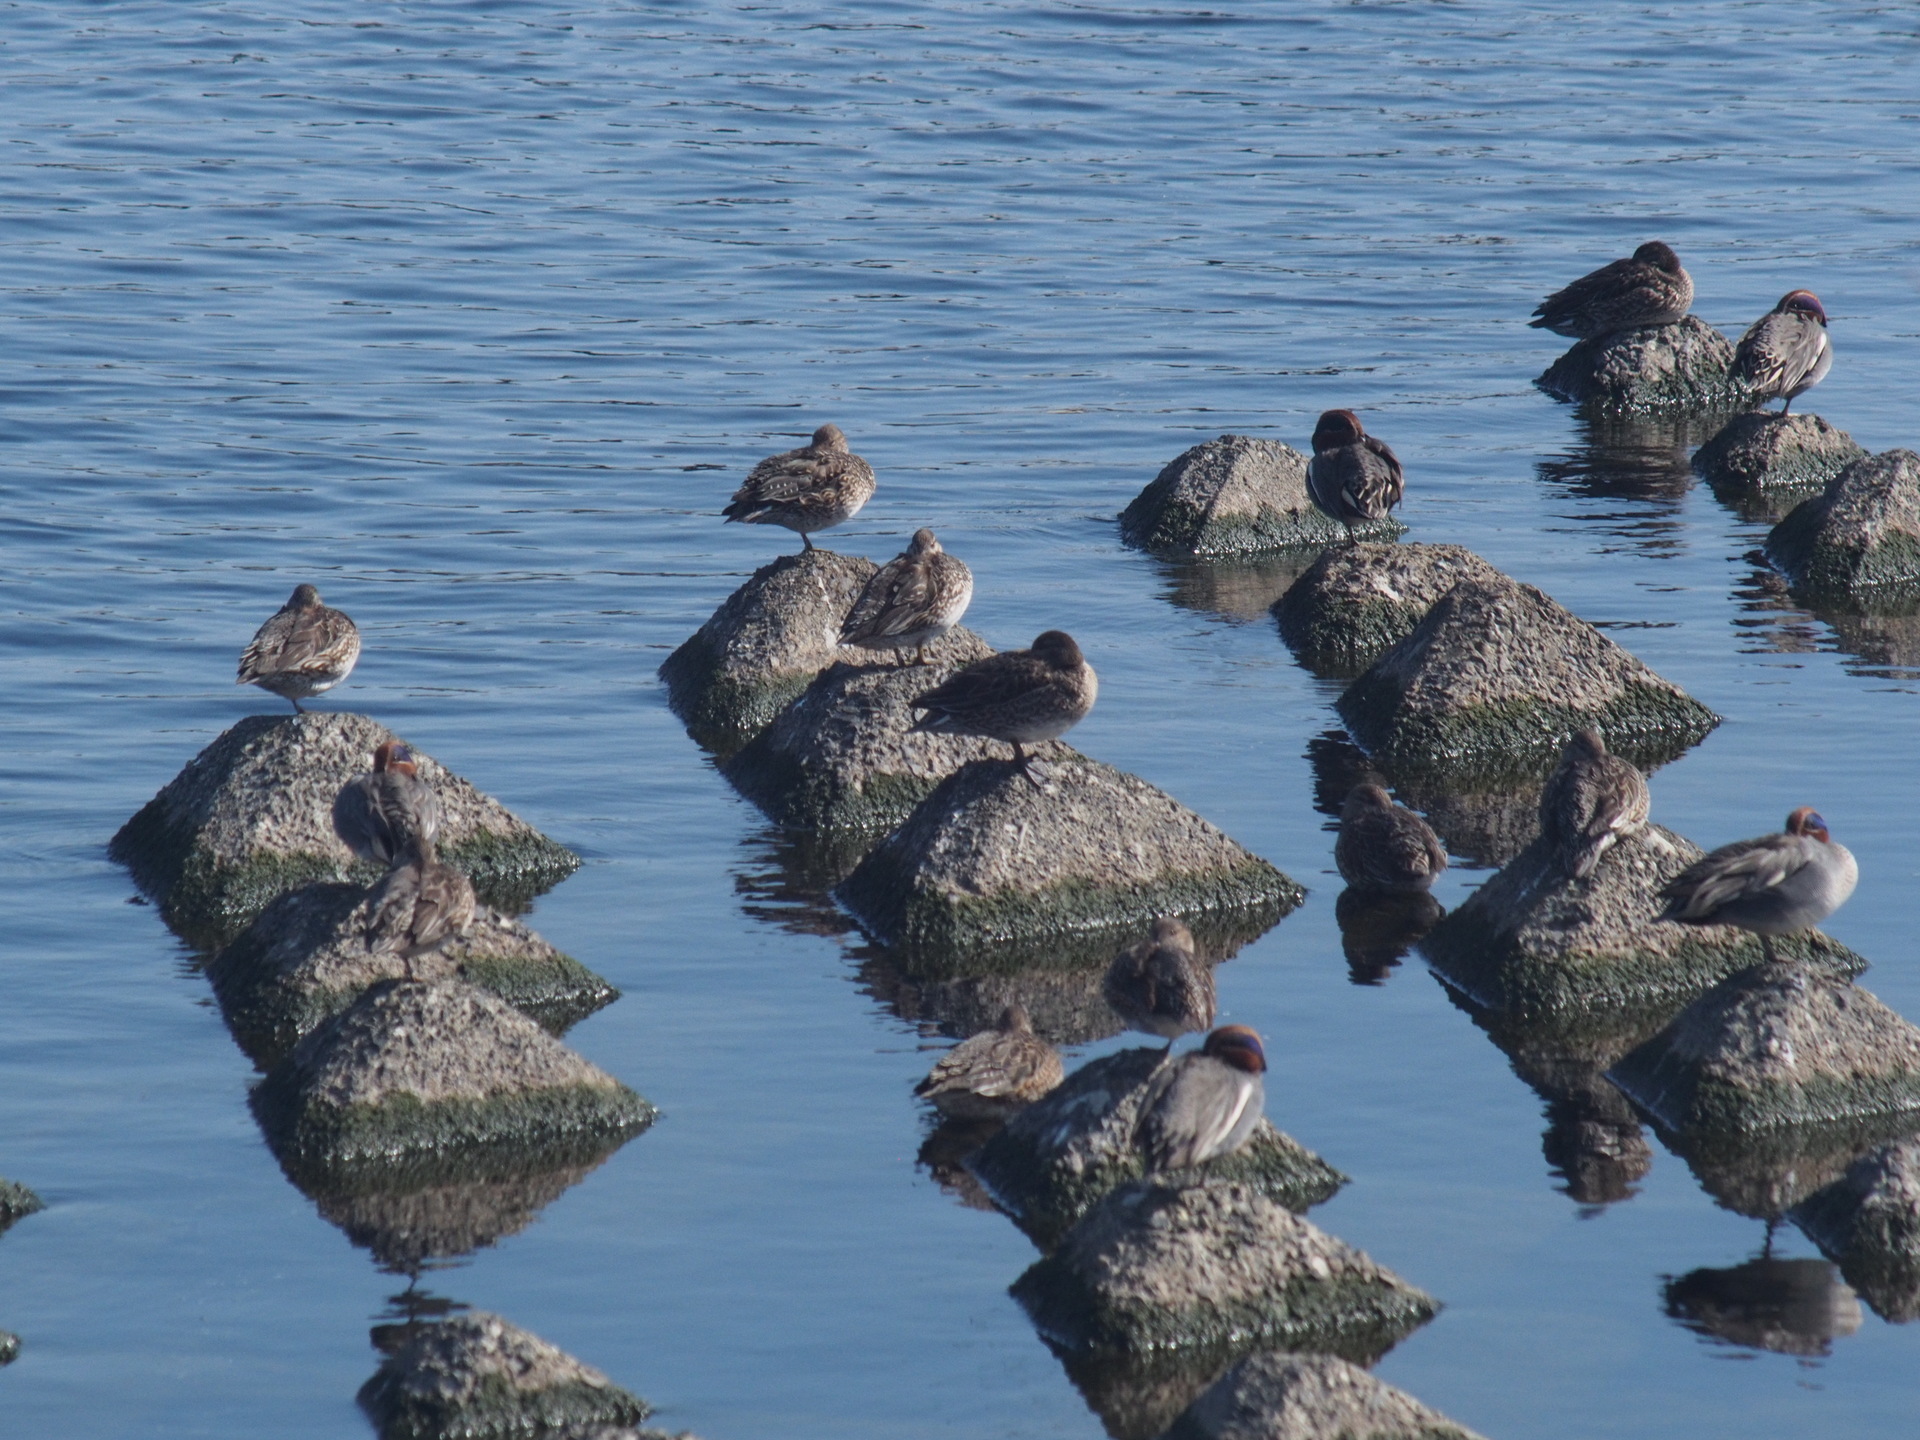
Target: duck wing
[(1779, 351), (1743, 870), (897, 600), (986, 684), (319, 641)]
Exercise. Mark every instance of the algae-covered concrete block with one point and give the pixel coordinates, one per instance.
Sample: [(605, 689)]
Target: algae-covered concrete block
[(998, 867), (412, 1072), (1279, 1396), (1687, 364), (1788, 1307), (1531, 941), (1234, 495), (1358, 601), (1498, 675), (305, 958), (16, 1203), (1868, 1222), (1055, 1160), (1212, 1266), (251, 817), (1861, 536), (1764, 450), (477, 1377), (1775, 1046)]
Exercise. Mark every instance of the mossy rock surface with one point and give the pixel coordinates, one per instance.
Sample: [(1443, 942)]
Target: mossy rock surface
[(16, 1203), (1867, 1222), (1861, 537), (1762, 450), (1235, 496), (1060, 1156), (1356, 602), (1279, 1396), (251, 817), (1002, 870), (1685, 365)]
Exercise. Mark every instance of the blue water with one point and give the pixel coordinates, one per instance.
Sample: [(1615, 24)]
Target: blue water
[(474, 314)]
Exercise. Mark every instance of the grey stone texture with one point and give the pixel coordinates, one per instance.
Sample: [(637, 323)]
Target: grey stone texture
[(1787, 1307), (1279, 1396), (1765, 450), (1861, 537), (477, 1377), (9, 1347), (1868, 1222), (1356, 602), (1498, 675), (1232, 496), (1687, 364), (1007, 871), (305, 958), (1213, 1266), (251, 817), (1060, 1156), (16, 1203), (412, 1073)]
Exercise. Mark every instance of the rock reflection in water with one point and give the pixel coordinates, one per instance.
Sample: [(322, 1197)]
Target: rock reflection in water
[(784, 878), (1240, 589), (1377, 930), (1790, 1307), (1883, 637), (943, 1155), (1483, 821), (1632, 457)]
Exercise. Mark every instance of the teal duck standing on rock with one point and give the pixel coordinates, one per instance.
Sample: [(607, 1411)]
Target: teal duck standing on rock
[(1020, 696), (994, 1073), (813, 488), (1648, 288), (1352, 476), (911, 601), (1205, 1104), (1787, 352), (1160, 986), (1591, 800), (1774, 885), (381, 813), (305, 648), (420, 905), (1385, 847)]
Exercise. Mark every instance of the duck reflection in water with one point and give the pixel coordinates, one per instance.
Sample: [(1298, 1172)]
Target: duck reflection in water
[(1789, 1307), (1377, 929), (1596, 1143)]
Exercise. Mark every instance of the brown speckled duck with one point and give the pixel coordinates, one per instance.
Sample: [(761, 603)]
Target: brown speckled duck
[(1385, 847), (1591, 800), (304, 649), (420, 905), (1160, 986), (994, 1073), (1019, 696), (1649, 288), (1786, 352), (911, 601), (813, 488)]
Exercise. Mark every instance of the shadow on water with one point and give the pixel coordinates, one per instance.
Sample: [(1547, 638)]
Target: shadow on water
[(1788, 1307), (1883, 638), (1238, 589)]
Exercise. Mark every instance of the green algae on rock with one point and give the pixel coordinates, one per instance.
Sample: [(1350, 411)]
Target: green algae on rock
[(1232, 496), (1001, 869), (304, 959), (1280, 1396), (1764, 450), (1061, 1155), (1861, 536), (1358, 601), (1685, 365), (1868, 1223), (1496, 677), (251, 817)]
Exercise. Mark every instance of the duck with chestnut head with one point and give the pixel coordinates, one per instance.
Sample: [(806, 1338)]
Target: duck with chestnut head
[(1205, 1104), (380, 813), (1786, 352), (1353, 476), (1772, 885)]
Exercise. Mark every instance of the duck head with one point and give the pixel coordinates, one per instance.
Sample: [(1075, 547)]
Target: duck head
[(1336, 428), (1806, 821), (1586, 744), (924, 543), (828, 437), (394, 755), (304, 597), (1658, 254), (1015, 1019), (1171, 933), (1238, 1046), (1802, 302), (1056, 647)]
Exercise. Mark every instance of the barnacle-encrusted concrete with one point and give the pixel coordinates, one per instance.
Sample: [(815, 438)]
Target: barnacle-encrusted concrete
[(1687, 364), (411, 1072), (1212, 1266), (1060, 1155), (305, 958), (1764, 450), (477, 1377), (1777, 1046), (1532, 942), (1868, 1223), (1861, 537), (1789, 1307), (1356, 602), (1234, 495), (1004, 871), (16, 1203), (251, 817), (1498, 675), (1278, 1396)]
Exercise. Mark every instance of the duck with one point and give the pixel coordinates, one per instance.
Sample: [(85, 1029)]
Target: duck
[(994, 1073), (305, 648), (1649, 288), (420, 905), (816, 487), (1019, 696), (1786, 352), (911, 601), (1160, 986), (1204, 1104), (1386, 847), (1592, 800), (1353, 476), (1772, 885), (379, 813)]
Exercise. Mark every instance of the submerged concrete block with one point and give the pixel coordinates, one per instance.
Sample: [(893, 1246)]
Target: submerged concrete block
[(1687, 364), (1234, 495), (251, 817), (1278, 1396), (305, 958), (1214, 1266), (1763, 450), (1498, 675), (1868, 1223), (411, 1073), (1861, 537), (999, 867), (1356, 602), (1057, 1159)]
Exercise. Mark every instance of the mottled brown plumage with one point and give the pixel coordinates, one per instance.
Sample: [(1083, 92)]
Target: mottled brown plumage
[(1019, 696), (1384, 846), (1786, 352), (382, 813), (994, 1073), (813, 488), (1649, 288), (1352, 475), (305, 648), (911, 601), (1160, 986), (420, 905), (1591, 800)]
